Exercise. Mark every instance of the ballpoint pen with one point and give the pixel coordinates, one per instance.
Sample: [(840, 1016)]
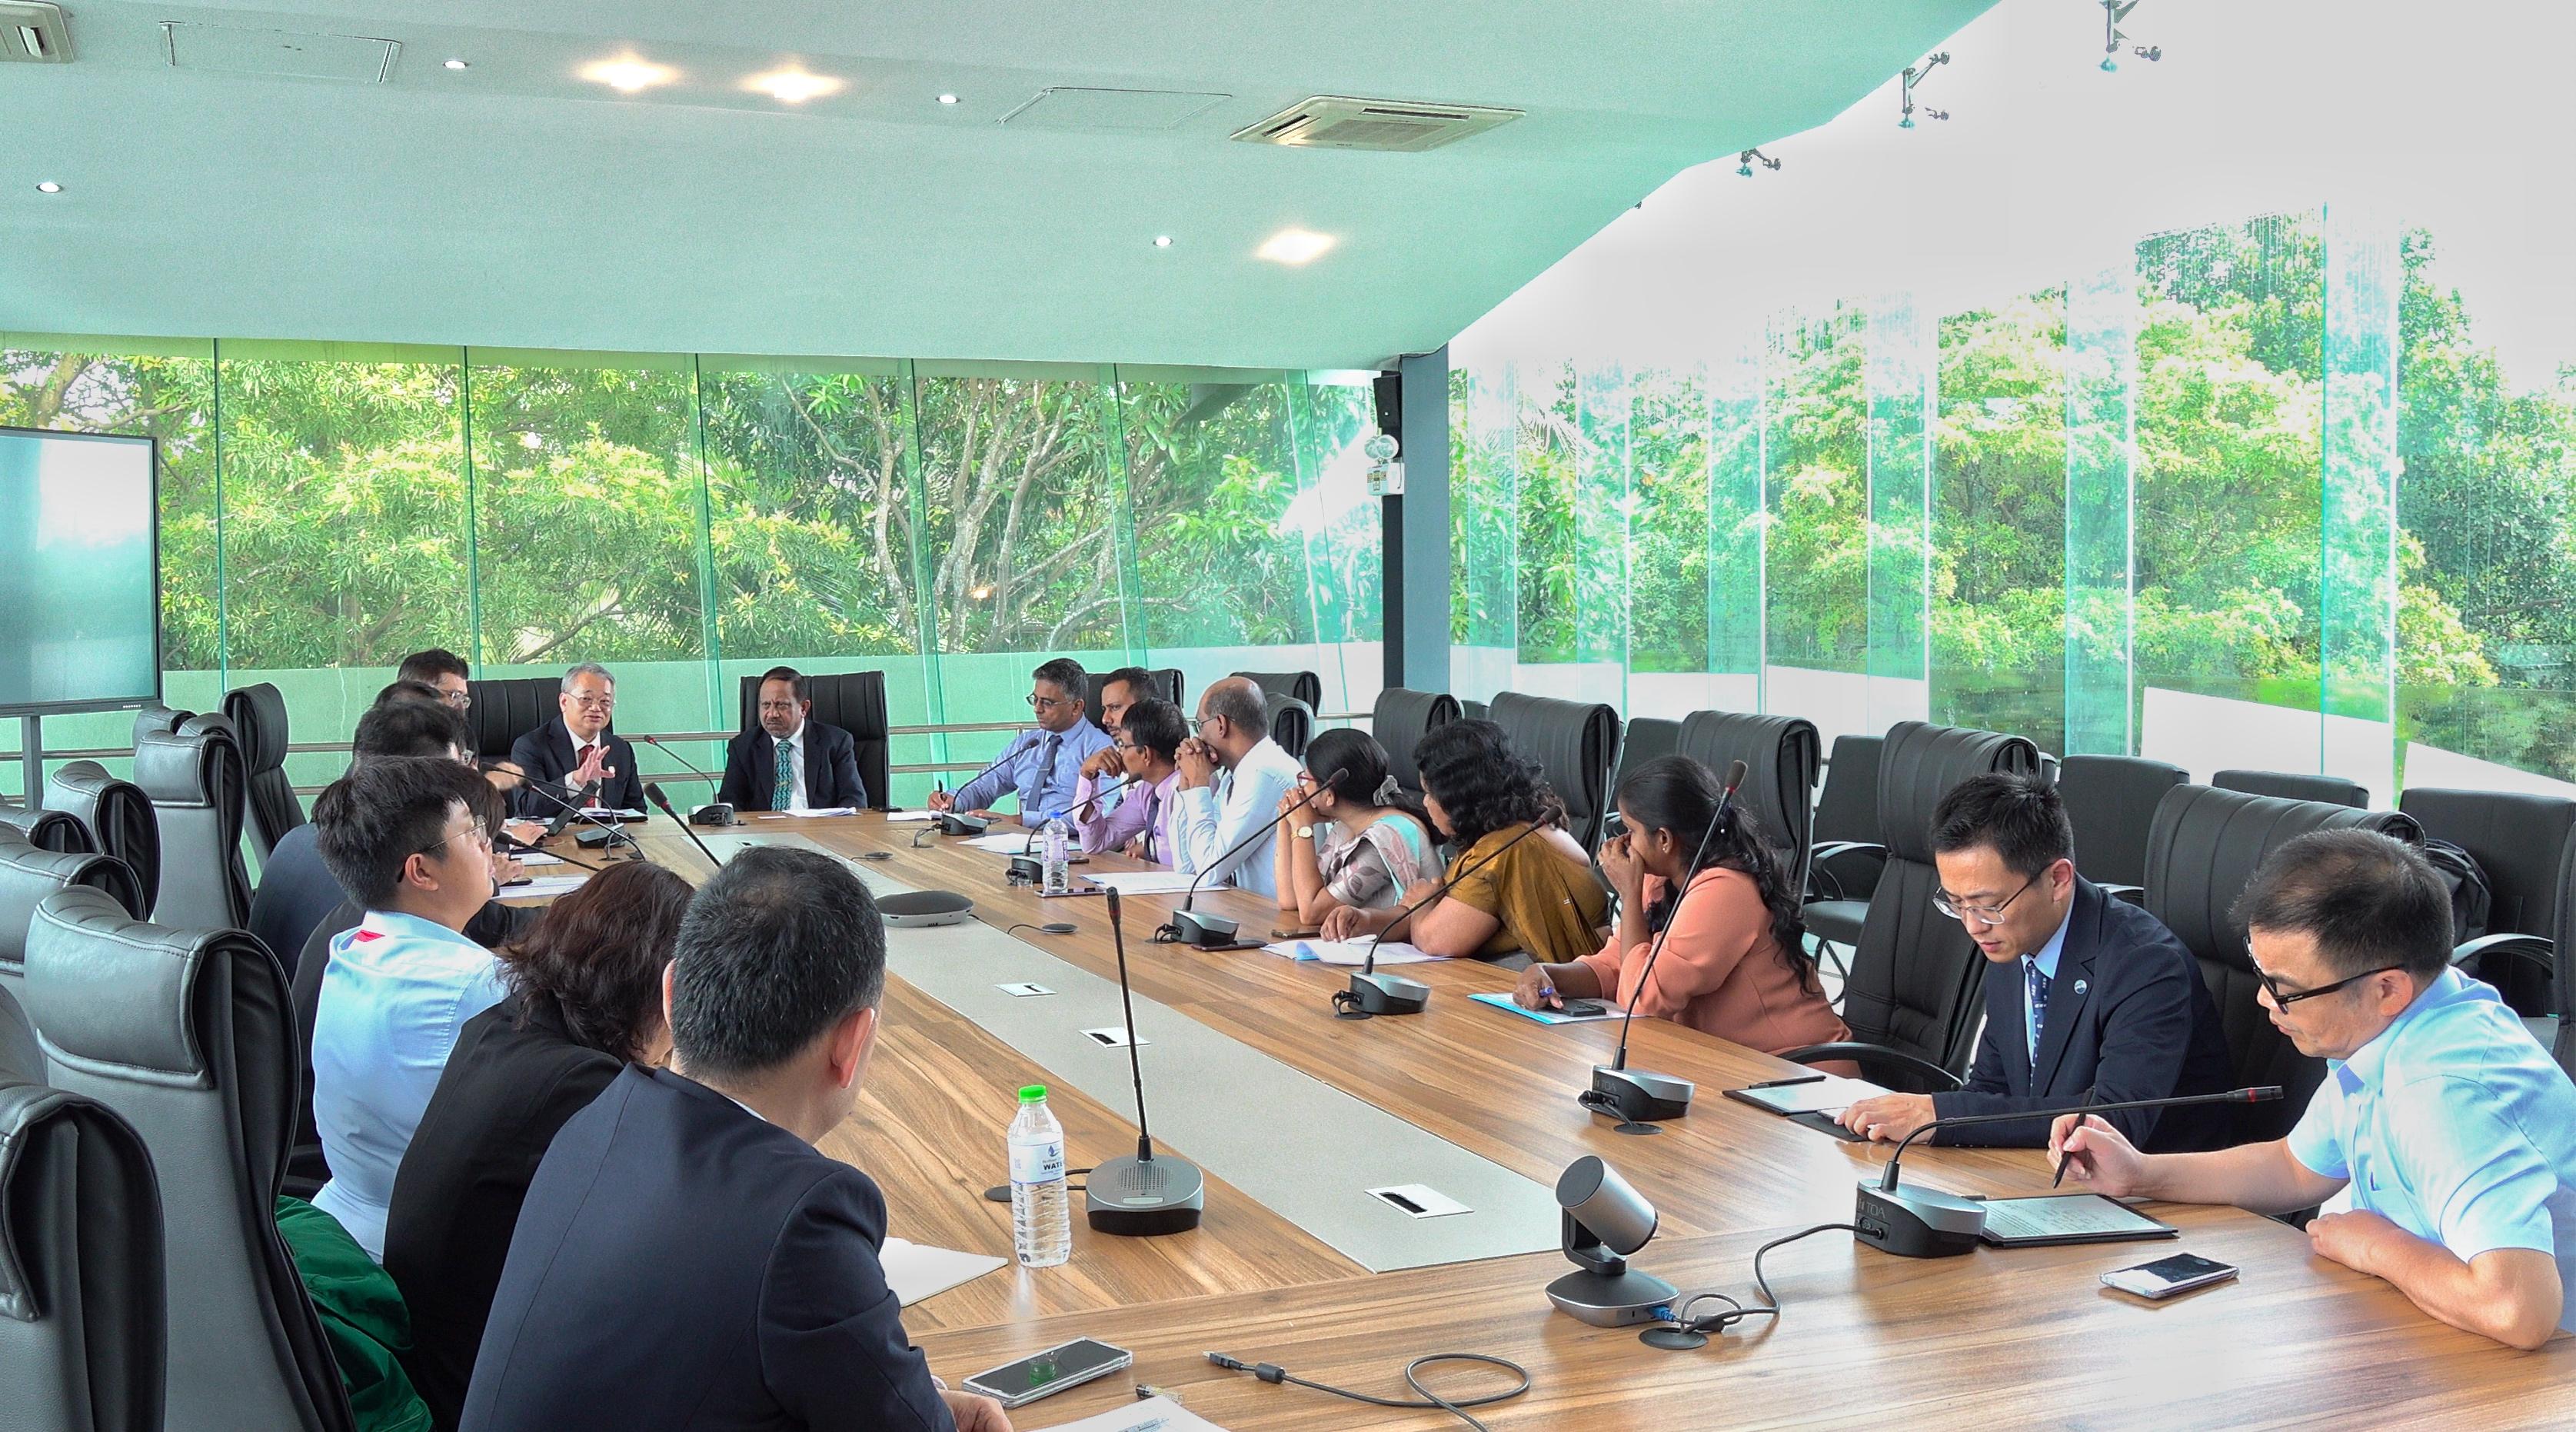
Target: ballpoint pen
[(1785, 1083)]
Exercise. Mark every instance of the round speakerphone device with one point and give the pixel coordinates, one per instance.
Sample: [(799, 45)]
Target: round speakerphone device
[(915, 908)]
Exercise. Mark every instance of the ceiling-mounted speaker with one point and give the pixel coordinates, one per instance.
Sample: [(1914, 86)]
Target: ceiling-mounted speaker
[(34, 32), (1398, 126)]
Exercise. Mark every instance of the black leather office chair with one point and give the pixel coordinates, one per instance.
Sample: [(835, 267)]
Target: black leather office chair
[(1400, 720), (1847, 853), (306, 1170), (27, 876), (2204, 846), (2294, 786), (158, 718), (1475, 711), (186, 1033), (1165, 686), (855, 701), (1911, 998), (1574, 743), (293, 896), (1780, 755), (48, 829), (1292, 723), (194, 777), (1303, 686), (1646, 738), (2111, 802), (2522, 842), (84, 1315), (119, 816), (258, 717), (506, 709)]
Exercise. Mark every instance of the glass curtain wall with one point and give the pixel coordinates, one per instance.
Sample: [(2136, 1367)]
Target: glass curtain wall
[(2249, 495), (688, 520)]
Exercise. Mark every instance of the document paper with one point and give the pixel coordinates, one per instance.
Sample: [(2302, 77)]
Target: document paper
[(917, 1270), (1154, 1414)]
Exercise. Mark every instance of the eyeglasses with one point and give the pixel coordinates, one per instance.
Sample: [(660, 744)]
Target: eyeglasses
[(481, 836), (593, 703), (2283, 998), (1948, 904), (461, 700), (1047, 703)]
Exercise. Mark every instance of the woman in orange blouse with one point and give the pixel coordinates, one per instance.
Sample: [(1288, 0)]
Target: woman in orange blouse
[(1735, 964)]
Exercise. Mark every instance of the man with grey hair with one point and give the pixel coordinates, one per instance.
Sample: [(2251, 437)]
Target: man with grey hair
[(1233, 777), (576, 751)]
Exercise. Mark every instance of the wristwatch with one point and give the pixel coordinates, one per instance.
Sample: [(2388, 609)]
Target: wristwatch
[(1305, 832)]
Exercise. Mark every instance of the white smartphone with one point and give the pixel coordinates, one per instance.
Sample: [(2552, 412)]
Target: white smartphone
[(1067, 1365), (2167, 1276)]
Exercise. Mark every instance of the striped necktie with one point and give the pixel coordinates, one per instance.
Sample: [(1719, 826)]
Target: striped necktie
[(2038, 984), (782, 792)]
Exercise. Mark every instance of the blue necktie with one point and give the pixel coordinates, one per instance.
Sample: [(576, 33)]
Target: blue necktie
[(2038, 984), (1036, 799)]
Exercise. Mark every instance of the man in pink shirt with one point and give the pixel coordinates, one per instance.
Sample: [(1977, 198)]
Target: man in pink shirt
[(1146, 741)]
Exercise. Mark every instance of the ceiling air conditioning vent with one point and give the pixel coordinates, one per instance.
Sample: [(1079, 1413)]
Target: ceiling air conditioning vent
[(32, 32), (1337, 122)]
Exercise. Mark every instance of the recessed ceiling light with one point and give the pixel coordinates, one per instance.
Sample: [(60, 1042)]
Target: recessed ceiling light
[(1294, 246), (948, 99), (791, 85), (628, 74), (456, 64), (48, 186), (1162, 241)]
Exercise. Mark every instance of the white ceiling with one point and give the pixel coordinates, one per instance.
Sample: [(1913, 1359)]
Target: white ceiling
[(514, 204)]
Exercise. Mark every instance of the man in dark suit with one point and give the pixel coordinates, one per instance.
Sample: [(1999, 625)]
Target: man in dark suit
[(576, 748), (820, 765), (2088, 999), (685, 1257)]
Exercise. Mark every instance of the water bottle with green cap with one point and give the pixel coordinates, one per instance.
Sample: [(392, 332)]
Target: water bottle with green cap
[(1041, 1216)]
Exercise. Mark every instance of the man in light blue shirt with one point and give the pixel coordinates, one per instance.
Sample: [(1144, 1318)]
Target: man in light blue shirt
[(1233, 777), (410, 839), (1041, 765), (2443, 1140)]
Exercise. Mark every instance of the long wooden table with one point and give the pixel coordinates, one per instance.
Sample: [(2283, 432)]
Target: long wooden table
[(2019, 1338)]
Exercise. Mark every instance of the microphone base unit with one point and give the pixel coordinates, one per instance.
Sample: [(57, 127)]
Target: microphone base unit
[(1131, 1197), (1613, 1300), (715, 813), (1208, 932), (951, 823), (1371, 995), (1917, 1222), (1639, 1096)]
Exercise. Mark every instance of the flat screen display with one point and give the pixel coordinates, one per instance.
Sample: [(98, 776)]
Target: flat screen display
[(80, 583)]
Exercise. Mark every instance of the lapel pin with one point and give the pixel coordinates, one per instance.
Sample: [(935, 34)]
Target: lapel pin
[(2079, 986)]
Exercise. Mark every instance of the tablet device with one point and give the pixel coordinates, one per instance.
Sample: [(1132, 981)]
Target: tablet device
[(2067, 1218)]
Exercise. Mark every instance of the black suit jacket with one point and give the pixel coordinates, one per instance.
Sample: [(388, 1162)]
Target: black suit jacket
[(508, 1087), (831, 769), (680, 1264), (2128, 1018), (546, 755)]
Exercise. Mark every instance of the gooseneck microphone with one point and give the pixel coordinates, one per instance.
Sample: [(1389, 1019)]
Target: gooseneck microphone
[(571, 810), (653, 793), (959, 823), (1922, 1223), (1216, 931), (1143, 1196), (714, 807), (1037, 827), (1638, 1097), (1372, 994)]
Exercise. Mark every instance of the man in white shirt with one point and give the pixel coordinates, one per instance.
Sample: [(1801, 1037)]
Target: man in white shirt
[(410, 838), (790, 762), (1232, 777)]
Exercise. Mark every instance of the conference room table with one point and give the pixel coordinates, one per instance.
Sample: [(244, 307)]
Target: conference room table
[(1995, 1338)]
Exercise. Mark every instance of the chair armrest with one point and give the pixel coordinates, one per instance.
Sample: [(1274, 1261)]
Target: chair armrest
[(1867, 1056), (2134, 894), (1844, 869), (2535, 954)]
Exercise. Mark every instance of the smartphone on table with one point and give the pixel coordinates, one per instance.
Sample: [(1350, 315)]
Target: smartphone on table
[(1047, 1373), (2165, 1277)]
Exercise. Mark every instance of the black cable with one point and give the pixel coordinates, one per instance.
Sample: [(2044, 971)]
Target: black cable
[(1272, 1372), (1736, 1311)]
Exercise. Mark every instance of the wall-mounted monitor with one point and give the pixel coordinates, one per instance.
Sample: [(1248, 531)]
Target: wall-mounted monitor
[(80, 572)]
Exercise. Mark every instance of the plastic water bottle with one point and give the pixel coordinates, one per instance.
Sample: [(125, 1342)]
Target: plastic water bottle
[(1059, 857), (1041, 1219)]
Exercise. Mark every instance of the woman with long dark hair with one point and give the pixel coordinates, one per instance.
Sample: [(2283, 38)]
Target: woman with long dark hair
[(1735, 963), (585, 999), (1525, 887), (1358, 841)]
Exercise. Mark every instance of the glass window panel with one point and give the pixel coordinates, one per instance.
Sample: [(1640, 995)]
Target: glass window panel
[(1603, 458), (2101, 509), (2229, 353), (590, 532), (1999, 522), (1735, 531), (161, 390), (1900, 373), (1340, 524), (2357, 603), (1668, 526), (1549, 444), (1484, 528), (1816, 484)]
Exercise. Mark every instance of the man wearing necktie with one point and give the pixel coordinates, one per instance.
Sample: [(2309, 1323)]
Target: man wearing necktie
[(1042, 765), (2089, 999), (577, 749), (791, 762)]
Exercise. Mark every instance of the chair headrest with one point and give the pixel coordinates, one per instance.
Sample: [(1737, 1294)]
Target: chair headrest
[(1781, 755), (1917, 766), (258, 717), (2206, 843), (110, 994), (76, 785), (158, 718), (1400, 720), (28, 875), (183, 767), (47, 829), (28, 1111)]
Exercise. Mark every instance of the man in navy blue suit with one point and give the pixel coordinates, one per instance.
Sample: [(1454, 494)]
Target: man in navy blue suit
[(686, 1257), (2089, 999), (576, 750), (791, 762)]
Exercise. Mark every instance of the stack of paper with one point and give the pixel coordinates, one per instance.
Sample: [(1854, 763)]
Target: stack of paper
[(1154, 1414), (1350, 952), (1144, 882), (917, 1270), (543, 885)]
